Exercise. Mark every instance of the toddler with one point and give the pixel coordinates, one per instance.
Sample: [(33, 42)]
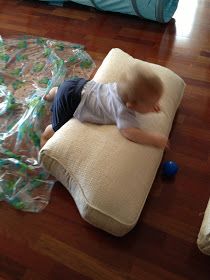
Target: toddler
[(139, 90)]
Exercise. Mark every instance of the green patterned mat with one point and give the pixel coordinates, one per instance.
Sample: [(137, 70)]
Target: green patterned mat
[(29, 68)]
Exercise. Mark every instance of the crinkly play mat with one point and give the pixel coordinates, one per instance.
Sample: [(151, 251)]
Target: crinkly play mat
[(29, 68)]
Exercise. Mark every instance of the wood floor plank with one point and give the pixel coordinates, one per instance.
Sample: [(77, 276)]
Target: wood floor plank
[(75, 259)]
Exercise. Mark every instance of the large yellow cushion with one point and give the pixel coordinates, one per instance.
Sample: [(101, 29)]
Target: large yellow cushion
[(108, 176)]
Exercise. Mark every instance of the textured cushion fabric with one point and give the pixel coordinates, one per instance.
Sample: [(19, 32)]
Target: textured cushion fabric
[(108, 176), (203, 240)]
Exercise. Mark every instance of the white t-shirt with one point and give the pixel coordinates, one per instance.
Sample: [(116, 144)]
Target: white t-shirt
[(101, 104)]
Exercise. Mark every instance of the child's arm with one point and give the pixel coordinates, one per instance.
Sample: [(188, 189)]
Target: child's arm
[(142, 137)]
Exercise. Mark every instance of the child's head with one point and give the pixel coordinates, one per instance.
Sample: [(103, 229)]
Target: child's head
[(140, 89)]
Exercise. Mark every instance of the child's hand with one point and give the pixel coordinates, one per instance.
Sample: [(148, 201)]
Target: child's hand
[(145, 138), (162, 142)]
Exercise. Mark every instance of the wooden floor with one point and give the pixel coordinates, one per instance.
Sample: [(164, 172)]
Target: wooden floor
[(57, 243)]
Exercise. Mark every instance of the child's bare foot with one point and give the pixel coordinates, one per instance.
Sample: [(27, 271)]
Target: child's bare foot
[(50, 96)]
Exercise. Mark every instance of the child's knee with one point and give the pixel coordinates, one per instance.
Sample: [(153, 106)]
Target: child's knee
[(48, 131), (46, 135)]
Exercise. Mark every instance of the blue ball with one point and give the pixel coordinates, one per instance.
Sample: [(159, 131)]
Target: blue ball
[(170, 168)]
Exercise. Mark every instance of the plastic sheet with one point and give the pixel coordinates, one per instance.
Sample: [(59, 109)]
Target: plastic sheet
[(29, 68)]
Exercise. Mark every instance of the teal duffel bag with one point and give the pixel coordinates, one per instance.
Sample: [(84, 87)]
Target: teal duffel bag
[(158, 10)]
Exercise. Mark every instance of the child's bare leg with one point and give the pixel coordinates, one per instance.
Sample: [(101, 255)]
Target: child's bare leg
[(51, 95), (46, 135)]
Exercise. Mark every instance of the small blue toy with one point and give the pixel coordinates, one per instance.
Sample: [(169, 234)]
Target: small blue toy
[(169, 169)]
